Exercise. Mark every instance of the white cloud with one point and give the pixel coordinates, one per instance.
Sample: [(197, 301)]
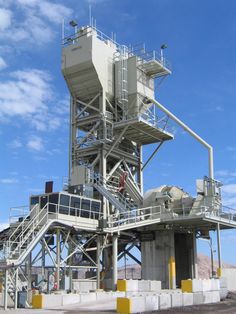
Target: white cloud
[(8, 181), (229, 189), (32, 21), (229, 195), (15, 144), (3, 64), (5, 19), (35, 143), (29, 95), (231, 148), (225, 173), (53, 11), (26, 93)]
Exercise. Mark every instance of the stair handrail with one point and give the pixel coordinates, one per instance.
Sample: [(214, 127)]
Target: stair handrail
[(100, 180), (30, 227), (23, 222)]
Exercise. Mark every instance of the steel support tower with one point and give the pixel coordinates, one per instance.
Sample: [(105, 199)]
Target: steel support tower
[(102, 213)]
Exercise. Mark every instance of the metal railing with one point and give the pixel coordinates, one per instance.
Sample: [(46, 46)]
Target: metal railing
[(135, 217), (24, 234), (153, 55)]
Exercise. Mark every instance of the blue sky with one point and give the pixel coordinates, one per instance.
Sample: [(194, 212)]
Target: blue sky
[(201, 39)]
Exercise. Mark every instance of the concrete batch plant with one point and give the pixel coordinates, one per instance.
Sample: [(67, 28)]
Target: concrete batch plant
[(102, 213)]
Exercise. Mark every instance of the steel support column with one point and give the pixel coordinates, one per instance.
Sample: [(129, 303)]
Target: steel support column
[(58, 259), (219, 270), (98, 260), (114, 260), (5, 289), (16, 291)]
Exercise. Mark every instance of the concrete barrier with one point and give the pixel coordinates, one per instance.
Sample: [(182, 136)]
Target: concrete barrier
[(143, 285), (230, 275), (88, 297), (155, 285), (206, 285), (223, 288), (152, 303), (164, 301), (215, 284), (51, 300), (198, 298), (211, 297), (187, 298), (84, 285), (139, 285), (176, 299), (70, 299), (127, 285)]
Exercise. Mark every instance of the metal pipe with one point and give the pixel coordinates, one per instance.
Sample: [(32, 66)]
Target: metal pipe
[(191, 132), (219, 251)]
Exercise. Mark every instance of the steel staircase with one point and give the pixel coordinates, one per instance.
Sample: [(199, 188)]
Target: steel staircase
[(131, 187), (118, 200), (26, 235)]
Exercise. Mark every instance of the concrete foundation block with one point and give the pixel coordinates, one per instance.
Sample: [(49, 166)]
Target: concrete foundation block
[(223, 282), (215, 284), (103, 295), (152, 303), (176, 299), (196, 285), (216, 296), (70, 299), (132, 285), (155, 285), (206, 285), (84, 286), (51, 301), (87, 297), (127, 285), (138, 304), (198, 298), (223, 293), (211, 297), (143, 285), (187, 298), (164, 301)]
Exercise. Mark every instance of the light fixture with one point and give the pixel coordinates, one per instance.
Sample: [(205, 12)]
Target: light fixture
[(163, 46), (73, 23)]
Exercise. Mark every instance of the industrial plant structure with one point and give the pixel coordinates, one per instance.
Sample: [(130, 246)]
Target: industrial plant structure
[(103, 213)]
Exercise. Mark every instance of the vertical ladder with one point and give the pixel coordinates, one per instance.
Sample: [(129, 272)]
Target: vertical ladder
[(121, 93)]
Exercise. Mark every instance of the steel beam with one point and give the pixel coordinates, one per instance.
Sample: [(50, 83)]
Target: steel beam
[(152, 155)]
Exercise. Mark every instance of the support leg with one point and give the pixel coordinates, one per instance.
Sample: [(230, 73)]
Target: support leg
[(16, 291), (98, 261), (114, 260), (58, 258), (219, 251), (5, 289)]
